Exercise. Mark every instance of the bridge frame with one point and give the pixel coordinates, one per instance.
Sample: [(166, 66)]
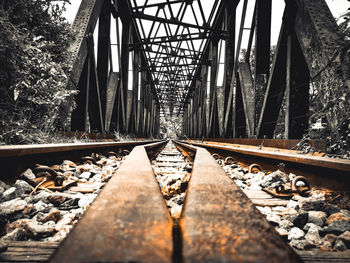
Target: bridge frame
[(249, 102)]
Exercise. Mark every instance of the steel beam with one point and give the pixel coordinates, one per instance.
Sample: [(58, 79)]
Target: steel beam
[(235, 92), (208, 43), (103, 52), (262, 50), (142, 103), (213, 123), (111, 102), (94, 101), (204, 77), (78, 116), (248, 97), (220, 100), (239, 120), (230, 21), (124, 67), (84, 23), (297, 85), (169, 21), (129, 105), (262, 36), (135, 88), (275, 88)]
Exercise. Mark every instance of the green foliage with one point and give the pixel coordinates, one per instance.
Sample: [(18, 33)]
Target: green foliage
[(120, 137), (345, 24), (170, 127), (34, 38)]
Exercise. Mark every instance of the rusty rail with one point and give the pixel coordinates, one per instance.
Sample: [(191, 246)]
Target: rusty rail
[(128, 222), (220, 224), (318, 145), (323, 171), (336, 164), (14, 159)]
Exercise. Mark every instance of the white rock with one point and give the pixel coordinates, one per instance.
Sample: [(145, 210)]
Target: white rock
[(279, 209), (286, 224), (12, 206), (96, 178), (313, 236), (175, 211), (255, 186), (86, 200), (41, 196), (345, 212), (67, 219), (292, 204), (248, 176), (4, 185), (239, 175), (317, 217), (296, 233), (44, 229), (311, 225), (85, 175), (14, 235), (60, 235), (31, 228), (41, 207), (240, 183), (291, 176), (10, 193), (298, 197), (264, 209), (281, 231), (78, 212), (317, 196), (28, 175), (273, 219), (300, 184), (23, 186)]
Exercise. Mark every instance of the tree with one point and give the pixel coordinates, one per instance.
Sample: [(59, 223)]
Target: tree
[(35, 37), (170, 127)]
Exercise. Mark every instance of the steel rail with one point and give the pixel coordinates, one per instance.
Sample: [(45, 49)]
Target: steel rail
[(25, 150), (129, 210), (278, 154), (322, 172), (15, 159), (220, 224), (128, 222)]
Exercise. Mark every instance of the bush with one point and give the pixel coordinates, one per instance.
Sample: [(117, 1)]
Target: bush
[(35, 38)]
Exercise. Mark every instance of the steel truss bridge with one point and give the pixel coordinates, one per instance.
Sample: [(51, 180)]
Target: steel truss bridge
[(136, 60)]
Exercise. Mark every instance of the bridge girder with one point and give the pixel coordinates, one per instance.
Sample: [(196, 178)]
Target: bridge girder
[(172, 73)]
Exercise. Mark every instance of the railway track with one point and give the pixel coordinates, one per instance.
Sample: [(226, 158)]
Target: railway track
[(173, 172), (169, 202)]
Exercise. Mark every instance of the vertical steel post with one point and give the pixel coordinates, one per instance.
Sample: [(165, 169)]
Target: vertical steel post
[(230, 21), (124, 66), (103, 53), (262, 51), (78, 118), (287, 94), (213, 123)]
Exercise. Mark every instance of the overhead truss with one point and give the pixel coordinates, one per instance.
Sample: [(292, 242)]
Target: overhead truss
[(169, 54)]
